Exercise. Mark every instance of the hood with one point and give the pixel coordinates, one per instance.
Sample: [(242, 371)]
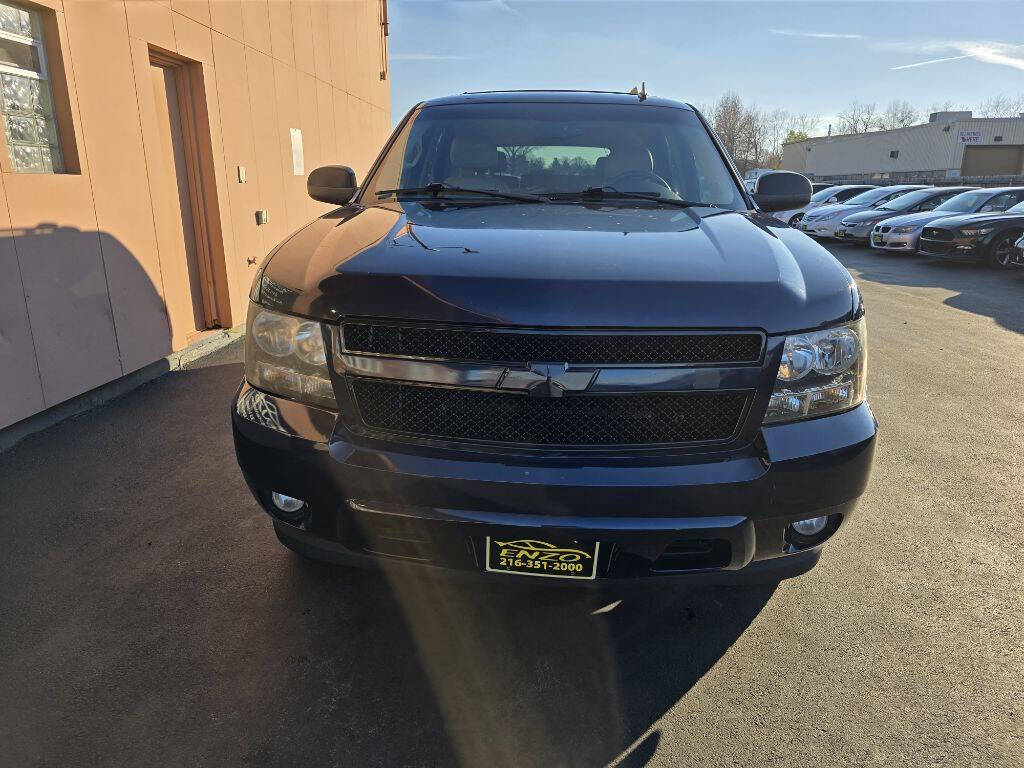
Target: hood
[(825, 210), (963, 219), (559, 265), (870, 215), (916, 219)]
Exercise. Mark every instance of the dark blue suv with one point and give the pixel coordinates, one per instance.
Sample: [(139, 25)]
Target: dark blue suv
[(553, 335)]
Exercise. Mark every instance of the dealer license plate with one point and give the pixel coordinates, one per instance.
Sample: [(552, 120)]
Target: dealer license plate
[(558, 558), (840, 233), (876, 239)]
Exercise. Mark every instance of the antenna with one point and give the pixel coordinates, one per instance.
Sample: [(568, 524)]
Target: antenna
[(640, 94)]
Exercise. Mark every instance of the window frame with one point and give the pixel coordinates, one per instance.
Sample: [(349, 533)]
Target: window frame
[(67, 162)]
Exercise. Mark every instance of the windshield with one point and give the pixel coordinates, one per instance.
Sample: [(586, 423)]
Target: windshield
[(556, 149), (908, 200), (824, 194), (965, 202), (870, 196)]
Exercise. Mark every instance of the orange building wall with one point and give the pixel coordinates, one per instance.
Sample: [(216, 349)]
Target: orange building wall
[(81, 295)]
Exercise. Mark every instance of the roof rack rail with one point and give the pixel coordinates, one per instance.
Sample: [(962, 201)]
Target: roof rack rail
[(547, 90)]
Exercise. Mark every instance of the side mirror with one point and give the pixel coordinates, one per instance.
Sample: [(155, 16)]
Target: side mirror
[(832, 199), (781, 190), (332, 184)]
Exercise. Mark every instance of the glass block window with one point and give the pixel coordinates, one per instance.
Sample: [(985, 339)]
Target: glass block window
[(26, 102)]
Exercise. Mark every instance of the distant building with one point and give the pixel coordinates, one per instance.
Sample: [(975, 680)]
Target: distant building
[(950, 146)]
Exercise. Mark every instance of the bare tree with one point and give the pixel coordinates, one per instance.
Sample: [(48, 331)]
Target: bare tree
[(857, 118), (518, 157), (899, 114), (804, 123), (946, 106), (1001, 105), (732, 123)]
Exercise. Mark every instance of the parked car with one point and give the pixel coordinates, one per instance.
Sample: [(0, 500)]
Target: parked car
[(1018, 253), (818, 186), (477, 371), (858, 226), (824, 221), (828, 196), (901, 233), (988, 237)]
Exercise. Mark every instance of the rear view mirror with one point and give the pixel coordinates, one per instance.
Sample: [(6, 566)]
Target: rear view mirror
[(781, 190), (332, 184)]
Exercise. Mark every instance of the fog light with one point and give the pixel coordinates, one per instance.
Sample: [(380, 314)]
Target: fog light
[(810, 527), (286, 503)]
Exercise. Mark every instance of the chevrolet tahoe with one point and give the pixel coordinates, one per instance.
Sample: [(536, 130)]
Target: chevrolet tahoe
[(551, 334)]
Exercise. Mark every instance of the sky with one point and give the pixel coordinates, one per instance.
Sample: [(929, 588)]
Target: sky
[(805, 57)]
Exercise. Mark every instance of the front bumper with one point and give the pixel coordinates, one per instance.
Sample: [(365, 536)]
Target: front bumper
[(888, 241), (957, 249), (858, 232), (409, 504), (825, 228)]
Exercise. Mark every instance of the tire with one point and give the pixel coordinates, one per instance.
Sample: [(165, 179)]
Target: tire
[(1000, 253), (795, 219)]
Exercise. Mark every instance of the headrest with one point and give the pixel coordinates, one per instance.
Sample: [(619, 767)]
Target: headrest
[(471, 152), (623, 159), (500, 163)]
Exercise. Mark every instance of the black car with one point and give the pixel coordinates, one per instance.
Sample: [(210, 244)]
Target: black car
[(987, 237), (552, 335)]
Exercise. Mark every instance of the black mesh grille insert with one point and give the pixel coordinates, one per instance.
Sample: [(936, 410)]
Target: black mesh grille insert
[(596, 348), (627, 419)]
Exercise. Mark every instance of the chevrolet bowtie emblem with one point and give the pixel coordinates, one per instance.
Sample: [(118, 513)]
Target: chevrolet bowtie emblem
[(546, 379)]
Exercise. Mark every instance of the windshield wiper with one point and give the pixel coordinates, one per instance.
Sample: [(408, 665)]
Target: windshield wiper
[(438, 188), (608, 192)]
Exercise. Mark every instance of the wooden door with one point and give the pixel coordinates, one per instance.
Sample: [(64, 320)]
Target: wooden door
[(176, 185)]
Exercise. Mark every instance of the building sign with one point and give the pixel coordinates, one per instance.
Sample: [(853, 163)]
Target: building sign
[(970, 137), (298, 166)]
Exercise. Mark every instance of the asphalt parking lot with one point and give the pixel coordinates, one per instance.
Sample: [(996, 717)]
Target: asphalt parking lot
[(148, 616)]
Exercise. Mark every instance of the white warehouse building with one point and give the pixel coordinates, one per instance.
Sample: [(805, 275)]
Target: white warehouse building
[(949, 147)]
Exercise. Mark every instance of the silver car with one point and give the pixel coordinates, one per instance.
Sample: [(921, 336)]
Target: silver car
[(838, 193), (901, 233), (858, 226), (824, 221)]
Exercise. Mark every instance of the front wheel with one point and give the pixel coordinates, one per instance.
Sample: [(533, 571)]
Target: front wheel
[(1000, 253)]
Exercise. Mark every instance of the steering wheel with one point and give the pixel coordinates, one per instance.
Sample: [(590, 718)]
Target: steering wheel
[(639, 175)]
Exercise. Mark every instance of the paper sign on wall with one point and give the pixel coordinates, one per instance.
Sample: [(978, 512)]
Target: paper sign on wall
[(298, 166), (970, 137)]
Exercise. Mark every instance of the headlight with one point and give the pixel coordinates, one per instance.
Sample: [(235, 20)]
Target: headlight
[(285, 355), (905, 230), (820, 373), (978, 232)]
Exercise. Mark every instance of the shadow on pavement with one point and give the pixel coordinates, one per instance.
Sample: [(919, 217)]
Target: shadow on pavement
[(149, 617), (978, 288), (510, 675)]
